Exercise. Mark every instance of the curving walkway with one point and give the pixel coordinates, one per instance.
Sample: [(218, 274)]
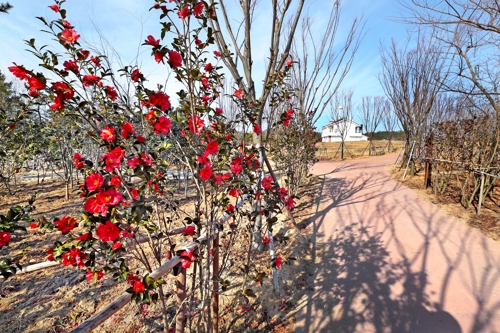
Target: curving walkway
[(392, 262)]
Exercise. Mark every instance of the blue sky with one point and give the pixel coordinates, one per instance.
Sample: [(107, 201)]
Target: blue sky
[(126, 23)]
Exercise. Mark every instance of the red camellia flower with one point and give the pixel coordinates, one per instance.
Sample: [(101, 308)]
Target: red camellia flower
[(256, 129), (209, 68), (183, 12), (77, 159), (234, 192), (278, 262), (55, 8), (289, 63), (109, 197), (113, 159), (290, 202), (186, 263), (94, 207), (283, 192), (69, 36), (138, 287), (111, 93), (147, 159), (218, 179), (94, 181), (50, 252), (206, 99), (63, 90), (67, 25), (19, 71), (238, 93), (196, 124), (116, 245), (218, 111), (175, 59), (288, 117), (132, 279), (96, 61), (73, 257), (34, 225), (90, 80), (159, 57), (35, 84), (134, 162), (197, 41), (160, 100), (211, 148), (206, 173), (90, 275), (217, 53), (136, 75), (4, 238), (141, 139), (198, 9), (188, 231), (267, 183), (151, 114), (58, 103), (66, 224), (108, 133), (127, 129), (83, 54), (150, 40), (162, 125), (71, 65), (129, 233), (236, 167), (108, 232), (204, 82), (135, 193), (83, 237), (115, 181), (230, 208)]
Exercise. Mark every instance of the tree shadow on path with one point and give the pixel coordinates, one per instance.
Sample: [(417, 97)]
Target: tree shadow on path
[(372, 275)]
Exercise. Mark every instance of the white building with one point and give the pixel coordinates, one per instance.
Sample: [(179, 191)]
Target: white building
[(352, 131)]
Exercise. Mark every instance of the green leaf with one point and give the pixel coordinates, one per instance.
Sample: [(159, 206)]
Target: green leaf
[(249, 293)]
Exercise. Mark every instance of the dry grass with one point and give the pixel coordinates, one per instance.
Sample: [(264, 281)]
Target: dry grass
[(355, 149), (60, 298)]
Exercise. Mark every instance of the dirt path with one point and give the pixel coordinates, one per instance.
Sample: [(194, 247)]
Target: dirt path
[(392, 262)]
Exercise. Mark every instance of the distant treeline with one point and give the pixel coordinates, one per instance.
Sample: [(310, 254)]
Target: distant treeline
[(385, 135)]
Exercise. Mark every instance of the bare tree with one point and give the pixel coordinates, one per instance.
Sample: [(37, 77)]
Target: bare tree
[(341, 112), (231, 42), (469, 28), (371, 111), (322, 61), (389, 121), (412, 78)]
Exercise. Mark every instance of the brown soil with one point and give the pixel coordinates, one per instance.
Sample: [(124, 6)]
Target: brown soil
[(488, 222), (57, 299)]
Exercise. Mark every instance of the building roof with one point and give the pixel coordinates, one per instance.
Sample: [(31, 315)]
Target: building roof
[(332, 122)]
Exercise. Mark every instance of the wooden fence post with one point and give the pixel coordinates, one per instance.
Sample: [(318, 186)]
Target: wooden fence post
[(180, 283), (215, 297), (409, 159), (480, 194), (397, 159)]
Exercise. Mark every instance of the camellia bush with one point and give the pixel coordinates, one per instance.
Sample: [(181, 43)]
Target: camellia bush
[(129, 201)]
